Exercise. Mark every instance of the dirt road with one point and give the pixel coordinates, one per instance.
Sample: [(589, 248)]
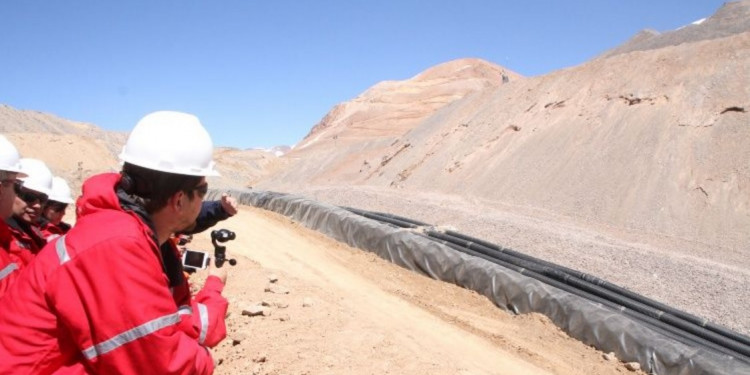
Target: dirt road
[(339, 310)]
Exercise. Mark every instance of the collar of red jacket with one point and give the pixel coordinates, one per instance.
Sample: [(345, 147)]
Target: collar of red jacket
[(101, 192), (98, 193), (26, 233)]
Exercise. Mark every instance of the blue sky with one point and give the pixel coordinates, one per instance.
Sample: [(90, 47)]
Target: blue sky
[(263, 73)]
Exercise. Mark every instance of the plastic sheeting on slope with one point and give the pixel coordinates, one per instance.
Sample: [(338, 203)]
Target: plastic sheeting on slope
[(592, 323)]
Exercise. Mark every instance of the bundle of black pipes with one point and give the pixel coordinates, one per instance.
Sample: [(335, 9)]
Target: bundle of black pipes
[(669, 321)]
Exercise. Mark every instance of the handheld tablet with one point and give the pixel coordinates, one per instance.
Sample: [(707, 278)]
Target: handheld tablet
[(197, 260)]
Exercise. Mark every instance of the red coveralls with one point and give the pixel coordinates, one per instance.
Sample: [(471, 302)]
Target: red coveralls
[(208, 308), (51, 231), (98, 298), (8, 268), (25, 244)]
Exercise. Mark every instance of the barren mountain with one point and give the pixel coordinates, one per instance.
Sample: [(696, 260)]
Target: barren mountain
[(733, 18), (391, 108), (370, 122), (654, 140), (76, 150), (634, 166), (239, 168), (73, 150)]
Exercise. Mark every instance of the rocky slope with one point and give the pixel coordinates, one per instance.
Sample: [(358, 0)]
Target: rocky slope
[(370, 123), (634, 167), (76, 150), (653, 140), (731, 19)]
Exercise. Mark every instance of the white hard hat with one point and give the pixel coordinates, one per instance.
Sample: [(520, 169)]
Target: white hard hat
[(39, 177), (9, 157), (171, 142), (60, 191)]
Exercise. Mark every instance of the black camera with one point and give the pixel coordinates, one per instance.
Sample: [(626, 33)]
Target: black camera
[(221, 236)]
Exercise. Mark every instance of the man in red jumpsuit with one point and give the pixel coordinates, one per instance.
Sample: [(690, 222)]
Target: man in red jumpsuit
[(99, 297), (51, 222), (9, 184), (27, 210)]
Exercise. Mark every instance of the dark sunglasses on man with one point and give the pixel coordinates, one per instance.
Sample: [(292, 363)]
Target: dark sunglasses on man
[(31, 197), (201, 189), (17, 184), (56, 206)]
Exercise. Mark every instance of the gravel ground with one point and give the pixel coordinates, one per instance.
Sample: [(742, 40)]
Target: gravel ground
[(707, 281)]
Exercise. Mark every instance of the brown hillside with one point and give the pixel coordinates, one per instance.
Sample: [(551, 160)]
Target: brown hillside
[(653, 141), (634, 167), (612, 141), (392, 107), (72, 150), (369, 123), (76, 150), (733, 18)]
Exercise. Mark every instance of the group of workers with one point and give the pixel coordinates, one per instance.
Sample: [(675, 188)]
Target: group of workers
[(33, 206), (108, 295)]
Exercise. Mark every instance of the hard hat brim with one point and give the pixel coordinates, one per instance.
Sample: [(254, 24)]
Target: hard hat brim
[(15, 170)]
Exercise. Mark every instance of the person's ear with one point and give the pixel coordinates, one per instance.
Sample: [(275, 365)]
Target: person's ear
[(176, 200)]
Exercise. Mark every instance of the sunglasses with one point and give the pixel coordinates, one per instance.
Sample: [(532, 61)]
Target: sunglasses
[(31, 197), (57, 206), (17, 184), (201, 189), (184, 240)]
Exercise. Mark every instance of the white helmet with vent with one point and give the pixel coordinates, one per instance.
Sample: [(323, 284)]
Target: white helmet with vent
[(9, 158), (60, 191), (173, 142), (38, 176)]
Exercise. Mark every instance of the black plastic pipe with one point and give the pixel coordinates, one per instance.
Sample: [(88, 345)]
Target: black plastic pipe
[(573, 278), (616, 288), (404, 219), (381, 218), (552, 272), (675, 333), (660, 310)]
